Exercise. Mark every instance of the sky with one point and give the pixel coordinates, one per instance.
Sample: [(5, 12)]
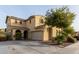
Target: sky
[(24, 11)]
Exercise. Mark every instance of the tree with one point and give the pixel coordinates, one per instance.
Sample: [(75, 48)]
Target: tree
[(61, 18), (69, 30)]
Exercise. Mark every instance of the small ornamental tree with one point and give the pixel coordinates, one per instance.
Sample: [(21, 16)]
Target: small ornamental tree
[(61, 18)]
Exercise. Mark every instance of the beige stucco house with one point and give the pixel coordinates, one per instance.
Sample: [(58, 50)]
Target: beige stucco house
[(32, 28)]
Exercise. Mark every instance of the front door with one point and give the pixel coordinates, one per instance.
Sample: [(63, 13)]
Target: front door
[(25, 35)]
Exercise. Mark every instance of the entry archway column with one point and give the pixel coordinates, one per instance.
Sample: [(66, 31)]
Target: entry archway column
[(22, 31), (45, 35), (13, 34)]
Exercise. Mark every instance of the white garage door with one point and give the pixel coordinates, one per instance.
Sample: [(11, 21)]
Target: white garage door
[(37, 35)]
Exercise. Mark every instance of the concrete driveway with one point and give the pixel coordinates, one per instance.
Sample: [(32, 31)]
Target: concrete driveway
[(26, 47), (35, 47)]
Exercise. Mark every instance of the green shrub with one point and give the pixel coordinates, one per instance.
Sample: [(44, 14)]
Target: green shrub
[(60, 39), (8, 37)]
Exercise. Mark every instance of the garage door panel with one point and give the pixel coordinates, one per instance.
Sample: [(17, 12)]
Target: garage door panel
[(37, 35)]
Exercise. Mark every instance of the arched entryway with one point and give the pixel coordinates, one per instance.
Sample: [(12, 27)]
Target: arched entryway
[(25, 34), (18, 35)]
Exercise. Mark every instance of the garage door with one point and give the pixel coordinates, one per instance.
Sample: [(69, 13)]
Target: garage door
[(37, 35)]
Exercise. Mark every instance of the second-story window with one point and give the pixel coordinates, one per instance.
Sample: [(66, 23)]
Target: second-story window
[(20, 22), (15, 21), (30, 21)]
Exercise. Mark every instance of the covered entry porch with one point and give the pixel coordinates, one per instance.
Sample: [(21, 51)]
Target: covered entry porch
[(19, 33)]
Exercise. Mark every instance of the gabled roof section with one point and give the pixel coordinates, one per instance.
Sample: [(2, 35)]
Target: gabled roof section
[(13, 17), (30, 18), (33, 16), (16, 18), (6, 19)]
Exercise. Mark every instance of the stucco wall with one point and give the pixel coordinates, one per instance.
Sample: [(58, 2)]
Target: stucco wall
[(18, 23), (38, 20), (45, 34), (31, 24)]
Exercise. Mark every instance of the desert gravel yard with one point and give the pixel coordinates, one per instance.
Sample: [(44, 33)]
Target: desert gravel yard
[(35, 47)]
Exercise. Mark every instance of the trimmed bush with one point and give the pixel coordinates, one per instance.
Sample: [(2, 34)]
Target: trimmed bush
[(60, 39), (8, 37)]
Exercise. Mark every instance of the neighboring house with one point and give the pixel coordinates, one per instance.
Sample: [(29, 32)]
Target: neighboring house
[(32, 28), (2, 34), (2, 30)]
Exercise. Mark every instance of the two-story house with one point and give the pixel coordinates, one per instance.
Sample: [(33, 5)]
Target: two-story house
[(32, 28)]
